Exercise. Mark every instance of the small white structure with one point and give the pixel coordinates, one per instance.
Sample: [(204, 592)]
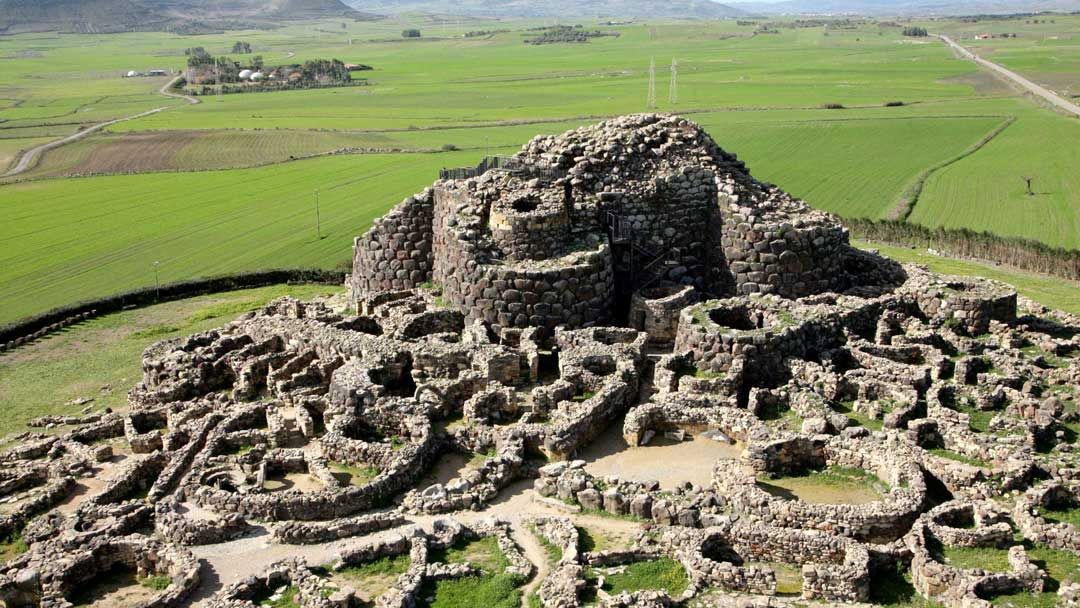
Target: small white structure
[(245, 74), (132, 74), (257, 76)]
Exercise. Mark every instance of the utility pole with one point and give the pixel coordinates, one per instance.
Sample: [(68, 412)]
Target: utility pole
[(673, 88), (157, 283), (318, 218), (650, 103)]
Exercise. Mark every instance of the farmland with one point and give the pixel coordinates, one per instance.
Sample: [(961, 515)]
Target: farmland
[(220, 186)]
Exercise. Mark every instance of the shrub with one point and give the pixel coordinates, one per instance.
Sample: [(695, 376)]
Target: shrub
[(156, 582)]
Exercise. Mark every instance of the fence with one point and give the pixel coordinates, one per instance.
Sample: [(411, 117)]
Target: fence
[(510, 164)]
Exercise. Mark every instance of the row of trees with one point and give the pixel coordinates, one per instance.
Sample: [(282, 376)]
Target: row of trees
[(1024, 254), (915, 31), (565, 33)]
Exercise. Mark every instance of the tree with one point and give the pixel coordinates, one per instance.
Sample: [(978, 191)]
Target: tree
[(198, 56), (917, 32), (410, 33), (257, 62)]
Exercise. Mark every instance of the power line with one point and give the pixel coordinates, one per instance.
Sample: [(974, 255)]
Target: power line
[(673, 88), (650, 103)]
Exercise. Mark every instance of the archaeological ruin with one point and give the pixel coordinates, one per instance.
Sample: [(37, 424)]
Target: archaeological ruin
[(613, 353)]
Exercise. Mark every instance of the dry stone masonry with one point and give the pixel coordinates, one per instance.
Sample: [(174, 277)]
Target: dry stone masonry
[(625, 289)]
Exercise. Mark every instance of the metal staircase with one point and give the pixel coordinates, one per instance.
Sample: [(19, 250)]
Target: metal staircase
[(646, 264)]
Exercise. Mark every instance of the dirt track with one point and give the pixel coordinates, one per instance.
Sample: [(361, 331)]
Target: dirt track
[(1042, 92), (29, 158)]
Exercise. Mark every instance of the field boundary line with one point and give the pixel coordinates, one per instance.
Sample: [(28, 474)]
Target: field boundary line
[(27, 329), (592, 117), (905, 205), (30, 157), (262, 165)]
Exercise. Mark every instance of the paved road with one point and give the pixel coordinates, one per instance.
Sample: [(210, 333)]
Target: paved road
[(29, 158), (1045, 93)]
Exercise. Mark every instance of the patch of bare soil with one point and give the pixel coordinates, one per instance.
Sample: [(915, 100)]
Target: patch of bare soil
[(90, 486), (451, 465), (669, 461), (293, 481), (117, 589), (135, 152), (984, 83)]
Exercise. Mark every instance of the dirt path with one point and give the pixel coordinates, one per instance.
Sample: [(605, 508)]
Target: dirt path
[(536, 554), (227, 563), (1042, 92), (167, 91), (30, 157)]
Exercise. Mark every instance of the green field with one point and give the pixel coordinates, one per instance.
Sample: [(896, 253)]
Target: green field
[(1047, 52), (216, 186), (96, 238)]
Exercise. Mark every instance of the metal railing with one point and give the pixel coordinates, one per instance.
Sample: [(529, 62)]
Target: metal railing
[(510, 164)]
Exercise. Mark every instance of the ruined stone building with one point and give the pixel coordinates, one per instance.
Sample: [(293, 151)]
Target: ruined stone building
[(575, 225)]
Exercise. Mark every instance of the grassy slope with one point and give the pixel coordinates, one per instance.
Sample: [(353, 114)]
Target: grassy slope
[(43, 377), (93, 237)]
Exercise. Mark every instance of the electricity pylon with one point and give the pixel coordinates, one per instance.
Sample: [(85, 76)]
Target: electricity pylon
[(673, 88), (651, 101)]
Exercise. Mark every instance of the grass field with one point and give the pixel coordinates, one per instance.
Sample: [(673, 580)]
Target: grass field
[(216, 189), (1046, 49), (81, 238)]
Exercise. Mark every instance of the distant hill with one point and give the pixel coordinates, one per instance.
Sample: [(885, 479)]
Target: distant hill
[(569, 9), (872, 8), (183, 16)]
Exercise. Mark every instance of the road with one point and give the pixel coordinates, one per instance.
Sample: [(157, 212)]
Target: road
[(167, 91), (29, 158), (1042, 92)]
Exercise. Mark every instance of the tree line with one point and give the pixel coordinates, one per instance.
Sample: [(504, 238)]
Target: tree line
[(1025, 254)]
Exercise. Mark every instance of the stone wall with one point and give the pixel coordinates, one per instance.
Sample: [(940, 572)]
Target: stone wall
[(396, 253), (573, 289)]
